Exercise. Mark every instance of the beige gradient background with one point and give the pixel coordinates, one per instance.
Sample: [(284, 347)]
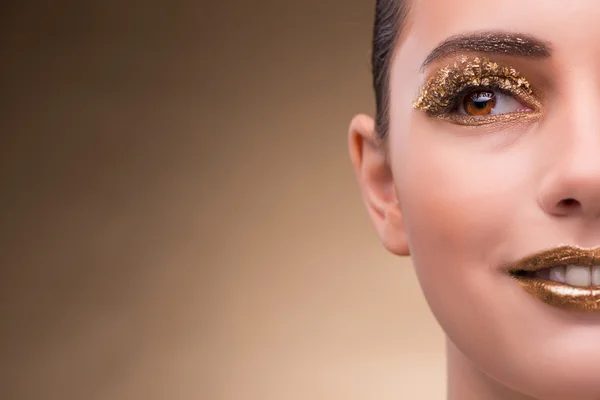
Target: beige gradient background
[(179, 215)]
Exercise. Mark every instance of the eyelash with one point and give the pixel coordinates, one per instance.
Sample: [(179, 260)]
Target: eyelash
[(442, 94)]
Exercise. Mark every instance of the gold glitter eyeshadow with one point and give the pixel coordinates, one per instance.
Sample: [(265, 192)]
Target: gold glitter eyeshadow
[(440, 94)]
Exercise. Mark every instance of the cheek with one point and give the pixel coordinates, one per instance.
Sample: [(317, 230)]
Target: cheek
[(460, 200), (453, 217), (463, 204)]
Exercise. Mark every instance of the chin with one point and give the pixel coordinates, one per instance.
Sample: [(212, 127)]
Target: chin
[(560, 376), (560, 367), (520, 343)]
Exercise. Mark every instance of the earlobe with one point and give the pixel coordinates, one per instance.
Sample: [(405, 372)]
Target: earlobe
[(394, 237), (369, 158)]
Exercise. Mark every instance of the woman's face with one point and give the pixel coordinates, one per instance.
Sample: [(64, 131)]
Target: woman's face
[(469, 195)]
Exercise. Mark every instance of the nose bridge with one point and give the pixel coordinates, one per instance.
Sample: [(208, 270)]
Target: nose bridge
[(579, 148), (573, 152)]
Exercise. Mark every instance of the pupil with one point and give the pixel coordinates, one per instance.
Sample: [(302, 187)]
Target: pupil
[(481, 104), (481, 100)]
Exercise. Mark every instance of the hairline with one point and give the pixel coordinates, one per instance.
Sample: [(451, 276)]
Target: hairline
[(390, 17)]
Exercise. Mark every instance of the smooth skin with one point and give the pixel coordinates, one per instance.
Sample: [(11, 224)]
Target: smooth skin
[(464, 202)]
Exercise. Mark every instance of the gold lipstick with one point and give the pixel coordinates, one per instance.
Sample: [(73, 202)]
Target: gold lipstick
[(545, 275)]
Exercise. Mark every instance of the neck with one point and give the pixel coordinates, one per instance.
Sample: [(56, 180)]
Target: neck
[(467, 382)]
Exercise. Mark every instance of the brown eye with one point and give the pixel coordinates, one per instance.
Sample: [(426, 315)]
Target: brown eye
[(479, 103)]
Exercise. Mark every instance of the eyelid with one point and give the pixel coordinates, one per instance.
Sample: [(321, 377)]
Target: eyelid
[(440, 94)]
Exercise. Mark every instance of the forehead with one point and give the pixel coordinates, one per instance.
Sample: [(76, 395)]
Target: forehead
[(568, 25), (571, 28)]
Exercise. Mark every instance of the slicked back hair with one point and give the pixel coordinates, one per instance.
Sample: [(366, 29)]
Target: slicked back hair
[(389, 19)]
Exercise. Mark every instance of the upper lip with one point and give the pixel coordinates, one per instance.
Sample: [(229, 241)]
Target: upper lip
[(557, 257)]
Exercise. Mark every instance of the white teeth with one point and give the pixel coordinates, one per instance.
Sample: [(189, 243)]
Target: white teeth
[(596, 275), (578, 276), (573, 275), (558, 274)]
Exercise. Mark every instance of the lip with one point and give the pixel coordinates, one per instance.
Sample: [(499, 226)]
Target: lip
[(561, 295)]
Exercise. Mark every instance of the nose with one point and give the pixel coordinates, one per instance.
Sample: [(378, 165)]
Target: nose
[(571, 184), (572, 197)]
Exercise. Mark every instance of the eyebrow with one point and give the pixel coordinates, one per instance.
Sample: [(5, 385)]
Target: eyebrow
[(491, 42)]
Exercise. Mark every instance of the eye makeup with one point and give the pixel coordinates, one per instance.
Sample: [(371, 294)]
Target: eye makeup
[(443, 94)]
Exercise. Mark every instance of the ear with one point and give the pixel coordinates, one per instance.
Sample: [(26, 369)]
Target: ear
[(369, 157)]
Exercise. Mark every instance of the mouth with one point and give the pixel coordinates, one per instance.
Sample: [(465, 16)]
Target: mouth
[(566, 277)]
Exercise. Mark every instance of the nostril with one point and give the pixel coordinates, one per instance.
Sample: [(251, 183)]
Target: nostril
[(568, 203)]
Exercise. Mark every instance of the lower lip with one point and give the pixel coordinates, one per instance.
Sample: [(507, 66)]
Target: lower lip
[(560, 295)]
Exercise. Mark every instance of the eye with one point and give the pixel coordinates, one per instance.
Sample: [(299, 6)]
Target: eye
[(482, 103), (476, 91)]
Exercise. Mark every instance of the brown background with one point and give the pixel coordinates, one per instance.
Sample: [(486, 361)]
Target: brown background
[(179, 215)]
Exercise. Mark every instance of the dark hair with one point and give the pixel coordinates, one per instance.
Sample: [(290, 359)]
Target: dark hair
[(389, 19)]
